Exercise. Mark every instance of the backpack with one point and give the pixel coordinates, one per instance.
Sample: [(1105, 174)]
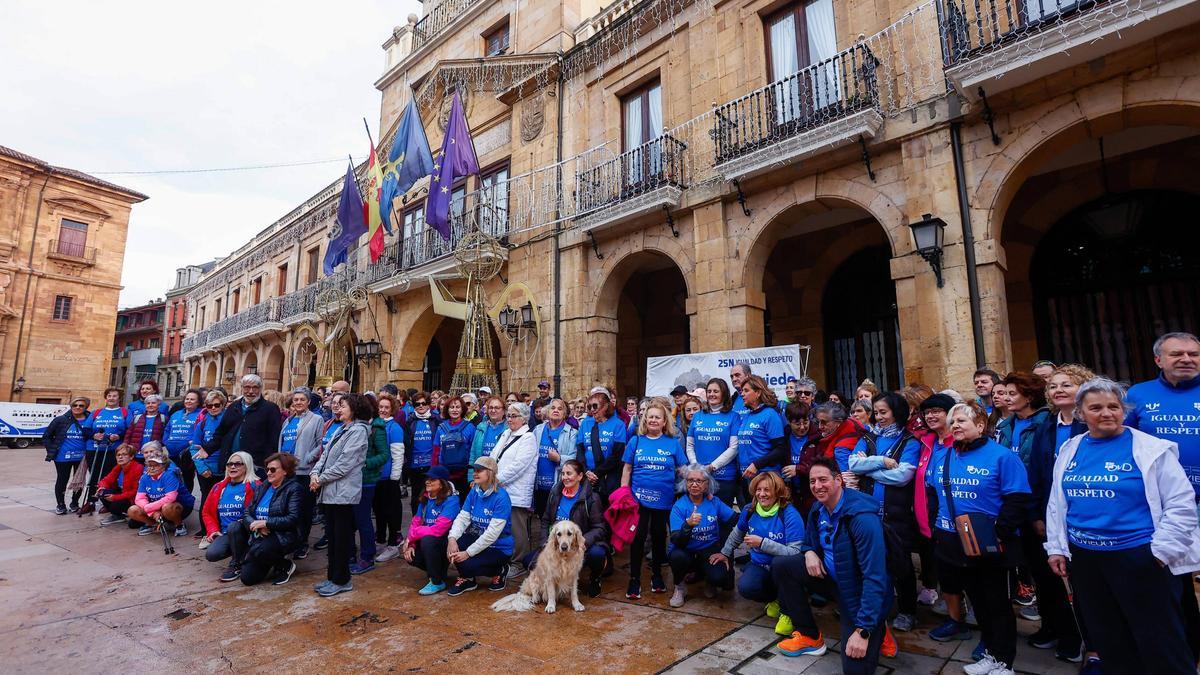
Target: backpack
[(896, 557), (455, 450)]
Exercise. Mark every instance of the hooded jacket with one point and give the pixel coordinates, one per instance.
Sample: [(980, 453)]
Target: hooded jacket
[(516, 458), (586, 513), (860, 556), (622, 517)]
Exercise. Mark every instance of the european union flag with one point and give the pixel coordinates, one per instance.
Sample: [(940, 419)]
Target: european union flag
[(408, 161), (351, 220), (457, 159)]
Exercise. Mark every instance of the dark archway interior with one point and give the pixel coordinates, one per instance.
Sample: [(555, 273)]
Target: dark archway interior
[(442, 355), (652, 319), (432, 378), (861, 322)]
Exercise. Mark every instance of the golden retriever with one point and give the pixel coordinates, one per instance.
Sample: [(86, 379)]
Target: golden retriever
[(556, 573)]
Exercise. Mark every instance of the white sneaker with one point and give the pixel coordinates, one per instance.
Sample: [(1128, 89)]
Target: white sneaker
[(204, 543), (388, 553), (1002, 670), (983, 666), (970, 618), (678, 596), (515, 570), (939, 607)]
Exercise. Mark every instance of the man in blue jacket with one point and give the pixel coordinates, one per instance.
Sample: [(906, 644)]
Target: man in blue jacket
[(845, 555)]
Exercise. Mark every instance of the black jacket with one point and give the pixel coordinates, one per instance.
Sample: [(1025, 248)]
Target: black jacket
[(283, 515), (1041, 461), (586, 513), (258, 428), (56, 433)]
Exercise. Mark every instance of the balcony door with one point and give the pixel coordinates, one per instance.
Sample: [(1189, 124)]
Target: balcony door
[(72, 237), (799, 36), (643, 122)]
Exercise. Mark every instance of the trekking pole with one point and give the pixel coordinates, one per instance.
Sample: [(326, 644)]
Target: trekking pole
[(91, 487)]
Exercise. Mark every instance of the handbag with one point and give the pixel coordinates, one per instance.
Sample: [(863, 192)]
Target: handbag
[(976, 531)]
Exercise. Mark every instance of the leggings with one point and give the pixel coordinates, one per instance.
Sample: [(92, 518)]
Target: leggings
[(366, 529), (429, 554), (389, 512), (653, 521), (339, 527), (64, 470)]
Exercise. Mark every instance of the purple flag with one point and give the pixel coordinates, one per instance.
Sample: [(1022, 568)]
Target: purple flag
[(351, 221), (457, 159)]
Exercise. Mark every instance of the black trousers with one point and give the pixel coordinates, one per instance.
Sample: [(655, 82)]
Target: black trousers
[(1053, 604), (187, 467), (906, 580), (1132, 607), (63, 471), (684, 562), (340, 529), (429, 554), (116, 506), (928, 576), (308, 507), (654, 522), (416, 487), (99, 464), (206, 486), (986, 586), (257, 556), (389, 512)]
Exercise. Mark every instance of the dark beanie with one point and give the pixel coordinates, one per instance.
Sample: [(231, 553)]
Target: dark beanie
[(938, 401)]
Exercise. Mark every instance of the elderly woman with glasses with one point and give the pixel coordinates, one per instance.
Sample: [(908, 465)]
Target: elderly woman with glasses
[(148, 426), (480, 543), (699, 523), (161, 500), (205, 454), (487, 432), (600, 443), (516, 455), (65, 440), (226, 504), (419, 430), (269, 527)]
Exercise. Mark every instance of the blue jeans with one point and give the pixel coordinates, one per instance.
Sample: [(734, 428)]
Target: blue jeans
[(364, 525), (756, 583)]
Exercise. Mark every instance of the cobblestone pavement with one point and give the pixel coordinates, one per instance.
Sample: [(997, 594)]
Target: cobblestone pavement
[(81, 598)]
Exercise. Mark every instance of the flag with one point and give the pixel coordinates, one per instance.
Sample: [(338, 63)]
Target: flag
[(458, 159), (408, 162), (351, 223), (374, 180)]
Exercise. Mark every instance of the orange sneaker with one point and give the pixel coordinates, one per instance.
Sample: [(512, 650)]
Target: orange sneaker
[(799, 645), (889, 648)]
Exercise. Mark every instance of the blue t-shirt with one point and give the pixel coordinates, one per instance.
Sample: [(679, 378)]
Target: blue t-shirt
[(108, 421), (181, 428), (264, 504), (330, 433), (454, 443), (291, 429), (713, 513), (168, 482), (565, 504), (758, 428), (74, 444), (483, 508), (231, 506), (827, 524), (204, 432), (1019, 427), (491, 434), (1106, 496), (979, 479), (654, 461), (395, 434), (547, 470), (134, 409), (429, 510), (612, 431), (422, 450), (785, 526), (1062, 434), (710, 433), (739, 404), (147, 433), (1171, 413)]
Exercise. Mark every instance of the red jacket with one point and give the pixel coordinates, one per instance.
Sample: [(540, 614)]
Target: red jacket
[(208, 512), (128, 487), (622, 517), (134, 435), (846, 437)]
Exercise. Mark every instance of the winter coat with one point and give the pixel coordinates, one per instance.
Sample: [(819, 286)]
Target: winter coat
[(622, 517), (587, 513), (127, 490), (283, 514), (516, 456), (137, 429), (308, 442), (56, 432), (859, 556), (254, 430), (1004, 433), (378, 452), (340, 468), (208, 510), (1041, 462)]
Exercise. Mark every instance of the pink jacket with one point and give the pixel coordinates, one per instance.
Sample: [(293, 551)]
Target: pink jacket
[(622, 517)]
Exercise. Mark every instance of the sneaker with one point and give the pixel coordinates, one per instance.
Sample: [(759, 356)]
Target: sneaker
[(1069, 653), (333, 589), (362, 567), (983, 666), (679, 596), (970, 619), (784, 625), (634, 592), (772, 609), (286, 575), (145, 531), (322, 544), (181, 531), (1030, 613), (657, 585), (979, 652), (515, 570), (940, 608), (323, 584), (388, 553), (200, 534), (799, 645), (431, 588), (1002, 670), (204, 542), (462, 585), (73, 508), (904, 622), (1025, 595), (889, 648), (231, 574), (1092, 667), (61, 510), (593, 587), (1043, 638), (499, 582), (113, 519), (301, 553), (927, 597), (950, 630)]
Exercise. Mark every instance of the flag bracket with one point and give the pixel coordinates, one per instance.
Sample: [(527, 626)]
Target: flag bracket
[(741, 197), (866, 157), (989, 117), (670, 221), (595, 247)]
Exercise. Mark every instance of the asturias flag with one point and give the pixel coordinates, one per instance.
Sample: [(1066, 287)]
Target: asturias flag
[(351, 220), (408, 162), (374, 179), (457, 159)]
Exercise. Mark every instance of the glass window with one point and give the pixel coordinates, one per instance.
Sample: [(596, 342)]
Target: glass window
[(496, 42), (62, 307), (493, 202)]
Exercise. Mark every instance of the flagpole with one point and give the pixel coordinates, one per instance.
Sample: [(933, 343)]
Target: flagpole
[(352, 173), (369, 139)]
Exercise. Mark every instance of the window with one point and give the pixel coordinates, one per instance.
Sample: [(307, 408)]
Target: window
[(121, 320), (201, 322), (62, 307), (281, 282), (72, 236), (256, 291), (641, 116), (493, 201), (799, 36), (314, 264), (236, 305), (216, 310), (51, 401), (495, 42), (153, 343)]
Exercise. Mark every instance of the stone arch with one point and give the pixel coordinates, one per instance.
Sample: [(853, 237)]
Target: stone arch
[(195, 381), (412, 355), (210, 375), (621, 264), (249, 360), (273, 375)]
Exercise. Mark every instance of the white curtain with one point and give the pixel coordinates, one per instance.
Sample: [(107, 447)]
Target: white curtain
[(654, 161), (633, 138), (822, 45), (784, 62)]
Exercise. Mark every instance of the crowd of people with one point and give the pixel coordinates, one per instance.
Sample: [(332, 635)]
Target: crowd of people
[(1056, 490)]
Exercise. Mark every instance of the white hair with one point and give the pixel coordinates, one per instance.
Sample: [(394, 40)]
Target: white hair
[(521, 409), (251, 378)]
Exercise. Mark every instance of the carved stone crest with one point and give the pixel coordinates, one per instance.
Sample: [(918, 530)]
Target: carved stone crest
[(533, 117), (448, 102)]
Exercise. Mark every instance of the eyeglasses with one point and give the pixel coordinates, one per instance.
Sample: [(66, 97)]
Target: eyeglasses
[(78, 405), (697, 481), (273, 469), (421, 403), (513, 416), (213, 405), (806, 393), (236, 464), (593, 406)]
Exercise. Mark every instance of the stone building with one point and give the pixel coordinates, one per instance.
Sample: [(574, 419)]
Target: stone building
[(62, 247), (172, 379), (137, 346), (697, 175)]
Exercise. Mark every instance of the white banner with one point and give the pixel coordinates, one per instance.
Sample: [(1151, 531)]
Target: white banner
[(776, 365)]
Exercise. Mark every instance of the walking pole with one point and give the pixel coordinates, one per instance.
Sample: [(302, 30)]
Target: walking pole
[(91, 487)]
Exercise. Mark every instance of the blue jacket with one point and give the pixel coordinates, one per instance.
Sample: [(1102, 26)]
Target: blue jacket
[(1004, 432), (863, 586), (1041, 461)]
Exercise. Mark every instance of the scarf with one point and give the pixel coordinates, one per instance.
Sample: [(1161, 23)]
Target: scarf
[(766, 513), (887, 431)]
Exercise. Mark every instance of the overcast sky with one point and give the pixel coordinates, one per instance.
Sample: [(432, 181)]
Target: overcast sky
[(137, 86)]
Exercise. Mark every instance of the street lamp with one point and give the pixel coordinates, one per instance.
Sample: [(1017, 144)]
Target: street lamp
[(368, 351), (527, 315), (20, 385), (927, 239)]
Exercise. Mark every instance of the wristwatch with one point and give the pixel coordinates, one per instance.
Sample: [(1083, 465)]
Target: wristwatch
[(864, 633)]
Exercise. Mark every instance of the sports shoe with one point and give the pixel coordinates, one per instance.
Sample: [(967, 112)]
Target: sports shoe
[(322, 544), (1069, 653), (113, 519), (593, 587), (927, 597), (799, 645), (772, 609), (74, 507), (1029, 613), (301, 553), (679, 596), (333, 589), (323, 584), (204, 542), (950, 630), (61, 510), (634, 592), (146, 530), (181, 531), (979, 652), (200, 533), (983, 666), (1002, 670), (1025, 595), (285, 575), (499, 581), (388, 553), (970, 619), (431, 588), (657, 585), (1043, 638), (515, 570), (361, 567), (784, 625), (939, 607), (231, 573), (889, 648), (1092, 667), (904, 622), (462, 585)]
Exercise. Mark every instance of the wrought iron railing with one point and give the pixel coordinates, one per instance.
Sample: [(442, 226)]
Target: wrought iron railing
[(823, 92), (971, 27), (643, 169), (297, 303), (72, 249), (168, 359), (438, 18), (484, 210)]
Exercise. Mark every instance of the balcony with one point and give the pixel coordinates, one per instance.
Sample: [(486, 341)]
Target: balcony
[(169, 359), (827, 104), (996, 45), (72, 252), (439, 19), (641, 181)]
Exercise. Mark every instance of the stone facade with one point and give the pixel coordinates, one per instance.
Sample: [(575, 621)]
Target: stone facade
[(62, 247), (138, 347)]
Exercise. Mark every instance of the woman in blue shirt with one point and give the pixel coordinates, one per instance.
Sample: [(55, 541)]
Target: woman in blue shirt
[(428, 535), (181, 429), (700, 523), (712, 439), (452, 442), (556, 443), (1027, 405), (600, 443), (650, 462), (226, 505), (65, 440), (487, 431), (138, 405), (762, 445), (205, 456), (481, 541), (419, 429), (106, 428)]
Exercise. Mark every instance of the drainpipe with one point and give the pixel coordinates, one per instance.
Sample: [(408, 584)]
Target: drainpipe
[(37, 221), (557, 249), (964, 212)]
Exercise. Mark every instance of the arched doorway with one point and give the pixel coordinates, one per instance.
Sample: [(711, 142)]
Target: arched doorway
[(432, 368), (652, 319), (304, 364), (195, 381), (1112, 276), (273, 374), (861, 323), (210, 376), (249, 366)]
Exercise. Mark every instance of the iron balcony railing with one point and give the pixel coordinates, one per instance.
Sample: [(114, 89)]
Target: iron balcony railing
[(823, 92), (971, 27), (72, 249), (643, 169), (168, 359), (484, 210), (438, 19)]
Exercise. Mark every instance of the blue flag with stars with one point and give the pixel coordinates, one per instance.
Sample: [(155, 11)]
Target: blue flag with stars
[(408, 162), (350, 225), (457, 159)]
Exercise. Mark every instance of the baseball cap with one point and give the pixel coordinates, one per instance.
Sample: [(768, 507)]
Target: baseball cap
[(486, 462), (438, 473), (679, 390), (543, 385), (485, 390), (156, 459)]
